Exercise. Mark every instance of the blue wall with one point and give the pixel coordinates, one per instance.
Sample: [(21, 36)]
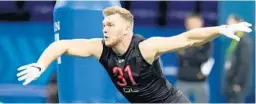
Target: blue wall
[(20, 44)]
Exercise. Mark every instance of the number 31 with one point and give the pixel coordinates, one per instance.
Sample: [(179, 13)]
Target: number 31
[(123, 81)]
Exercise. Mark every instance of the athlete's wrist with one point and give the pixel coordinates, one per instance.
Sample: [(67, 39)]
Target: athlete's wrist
[(222, 29), (39, 66)]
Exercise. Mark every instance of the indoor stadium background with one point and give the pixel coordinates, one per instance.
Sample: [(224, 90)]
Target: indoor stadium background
[(27, 28)]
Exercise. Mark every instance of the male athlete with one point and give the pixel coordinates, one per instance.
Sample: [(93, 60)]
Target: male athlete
[(131, 62)]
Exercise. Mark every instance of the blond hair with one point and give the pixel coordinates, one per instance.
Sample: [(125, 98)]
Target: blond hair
[(126, 14)]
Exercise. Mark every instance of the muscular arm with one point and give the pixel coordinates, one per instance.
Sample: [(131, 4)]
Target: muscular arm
[(75, 47), (160, 45)]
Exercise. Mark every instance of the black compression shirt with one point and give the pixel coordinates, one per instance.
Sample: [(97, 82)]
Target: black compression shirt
[(136, 79)]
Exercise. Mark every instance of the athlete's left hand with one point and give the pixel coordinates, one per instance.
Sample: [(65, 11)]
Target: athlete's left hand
[(229, 30)]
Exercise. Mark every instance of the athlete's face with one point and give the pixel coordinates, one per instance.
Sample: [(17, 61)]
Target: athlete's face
[(114, 29)]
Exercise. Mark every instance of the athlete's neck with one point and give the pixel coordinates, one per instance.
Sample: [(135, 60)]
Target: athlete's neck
[(123, 46)]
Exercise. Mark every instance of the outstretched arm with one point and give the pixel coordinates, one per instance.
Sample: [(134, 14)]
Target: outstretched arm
[(156, 46), (75, 47)]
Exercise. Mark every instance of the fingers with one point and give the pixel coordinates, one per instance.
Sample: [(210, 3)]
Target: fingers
[(23, 77), (22, 73), (28, 81), (25, 66), (27, 77), (245, 29), (246, 24), (242, 26), (27, 73), (22, 67)]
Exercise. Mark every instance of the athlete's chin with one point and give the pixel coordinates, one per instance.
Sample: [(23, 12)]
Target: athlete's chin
[(109, 44)]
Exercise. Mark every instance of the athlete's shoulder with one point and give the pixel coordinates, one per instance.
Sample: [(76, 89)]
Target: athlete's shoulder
[(104, 50), (146, 50), (138, 38), (97, 46)]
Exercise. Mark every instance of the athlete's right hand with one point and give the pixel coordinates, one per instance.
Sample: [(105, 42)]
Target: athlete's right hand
[(30, 72)]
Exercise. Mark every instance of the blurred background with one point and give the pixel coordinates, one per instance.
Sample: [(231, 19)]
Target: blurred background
[(26, 29)]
